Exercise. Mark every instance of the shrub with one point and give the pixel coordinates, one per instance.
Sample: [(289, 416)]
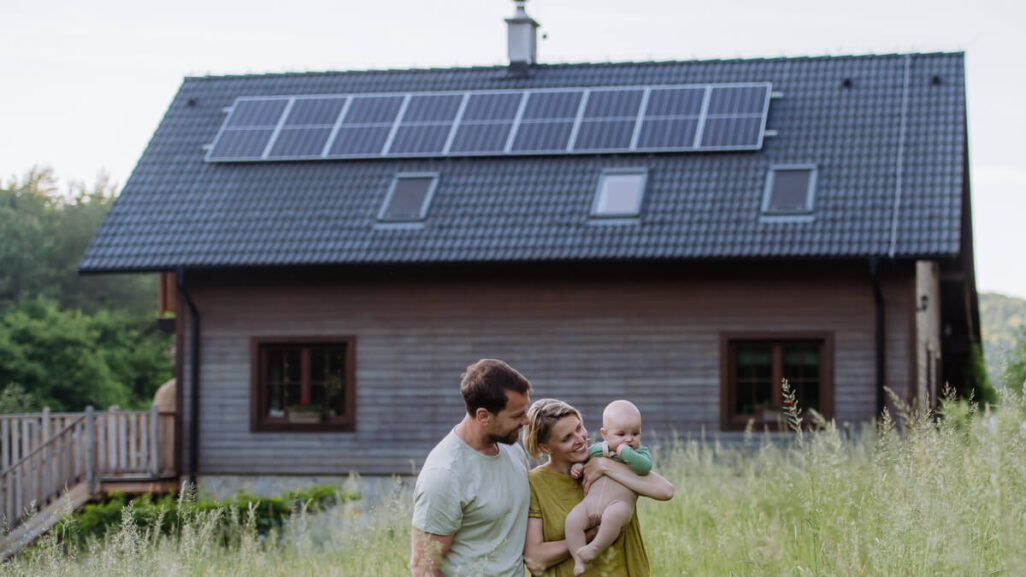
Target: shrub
[(167, 514)]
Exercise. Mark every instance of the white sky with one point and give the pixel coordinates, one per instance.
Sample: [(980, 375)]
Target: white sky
[(83, 85)]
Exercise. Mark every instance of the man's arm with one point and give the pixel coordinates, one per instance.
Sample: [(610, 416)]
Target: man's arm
[(428, 553), (651, 485)]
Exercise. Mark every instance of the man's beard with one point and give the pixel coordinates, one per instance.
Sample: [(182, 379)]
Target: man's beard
[(509, 439)]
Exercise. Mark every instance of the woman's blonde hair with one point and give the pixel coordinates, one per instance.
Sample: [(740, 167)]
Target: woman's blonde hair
[(543, 414)]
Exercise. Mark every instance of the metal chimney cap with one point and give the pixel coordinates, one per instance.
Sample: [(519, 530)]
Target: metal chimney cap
[(521, 13)]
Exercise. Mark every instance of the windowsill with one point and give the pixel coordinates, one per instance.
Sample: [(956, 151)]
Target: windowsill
[(283, 426), (740, 423), (399, 225), (787, 218), (614, 220)]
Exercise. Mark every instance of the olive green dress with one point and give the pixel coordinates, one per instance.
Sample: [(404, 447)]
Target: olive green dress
[(553, 495)]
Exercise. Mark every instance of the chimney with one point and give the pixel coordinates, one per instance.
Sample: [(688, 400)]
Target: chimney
[(523, 42)]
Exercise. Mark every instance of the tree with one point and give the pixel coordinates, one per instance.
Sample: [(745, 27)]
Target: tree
[(67, 359), (1015, 365), (25, 226), (67, 341)]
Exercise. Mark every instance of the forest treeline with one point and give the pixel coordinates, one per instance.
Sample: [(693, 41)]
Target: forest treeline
[(67, 340), (1003, 330)]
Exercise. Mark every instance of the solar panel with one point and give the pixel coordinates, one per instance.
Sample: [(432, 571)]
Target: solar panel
[(373, 109), (300, 142), (543, 137), (731, 132), (492, 106), (241, 144), (256, 113), (613, 104), (481, 138), (552, 105), (420, 139), (665, 134), (356, 141), (608, 119), (314, 111), (605, 135), (432, 108), (675, 102)]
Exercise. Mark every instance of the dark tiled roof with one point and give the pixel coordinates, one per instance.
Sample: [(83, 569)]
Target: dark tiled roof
[(177, 210)]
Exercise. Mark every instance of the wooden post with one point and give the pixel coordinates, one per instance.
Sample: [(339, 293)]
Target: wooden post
[(45, 474), (112, 440), (25, 491), (132, 455), (154, 445), (90, 450), (8, 481), (15, 480), (122, 462), (5, 438)]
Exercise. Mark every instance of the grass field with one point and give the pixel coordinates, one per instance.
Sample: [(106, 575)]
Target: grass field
[(941, 497)]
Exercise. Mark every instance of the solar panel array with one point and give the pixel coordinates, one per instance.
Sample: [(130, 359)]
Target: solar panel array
[(679, 118)]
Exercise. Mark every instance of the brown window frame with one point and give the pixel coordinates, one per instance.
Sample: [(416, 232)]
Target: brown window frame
[(258, 420), (729, 421)]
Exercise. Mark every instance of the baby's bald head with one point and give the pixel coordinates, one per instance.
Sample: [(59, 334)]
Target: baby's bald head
[(620, 411), (621, 424)]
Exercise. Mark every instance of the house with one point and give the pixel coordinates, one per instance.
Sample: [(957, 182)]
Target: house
[(339, 246)]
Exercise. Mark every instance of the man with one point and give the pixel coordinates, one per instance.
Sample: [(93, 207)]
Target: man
[(472, 495)]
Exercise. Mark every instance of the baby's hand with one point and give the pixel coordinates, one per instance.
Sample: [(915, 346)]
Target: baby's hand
[(575, 470), (605, 449)]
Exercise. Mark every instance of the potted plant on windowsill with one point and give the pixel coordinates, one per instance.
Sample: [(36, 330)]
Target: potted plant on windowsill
[(770, 414), (305, 413)]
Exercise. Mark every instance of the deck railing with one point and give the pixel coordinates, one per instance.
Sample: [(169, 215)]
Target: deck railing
[(45, 454)]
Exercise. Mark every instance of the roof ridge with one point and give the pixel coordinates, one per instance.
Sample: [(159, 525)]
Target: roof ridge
[(593, 64)]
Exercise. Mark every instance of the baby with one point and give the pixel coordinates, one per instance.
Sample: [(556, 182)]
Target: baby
[(608, 504)]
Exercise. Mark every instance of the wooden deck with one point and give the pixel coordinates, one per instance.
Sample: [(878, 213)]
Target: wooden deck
[(57, 462)]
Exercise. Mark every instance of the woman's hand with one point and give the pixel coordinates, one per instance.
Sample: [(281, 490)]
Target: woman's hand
[(594, 469), (651, 485)]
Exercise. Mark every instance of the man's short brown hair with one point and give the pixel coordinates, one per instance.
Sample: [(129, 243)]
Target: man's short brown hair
[(484, 385)]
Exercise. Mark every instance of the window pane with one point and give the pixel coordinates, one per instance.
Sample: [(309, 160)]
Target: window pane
[(789, 191), (291, 395), (284, 373), (620, 194), (801, 369), (753, 371), (755, 361), (335, 387), (275, 401), (408, 198), (328, 373)]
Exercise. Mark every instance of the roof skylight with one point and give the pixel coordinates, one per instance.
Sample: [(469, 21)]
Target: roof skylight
[(620, 192), (409, 197)]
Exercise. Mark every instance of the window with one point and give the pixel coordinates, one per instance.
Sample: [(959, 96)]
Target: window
[(409, 197), (620, 192), (303, 384), (754, 366), (789, 190)]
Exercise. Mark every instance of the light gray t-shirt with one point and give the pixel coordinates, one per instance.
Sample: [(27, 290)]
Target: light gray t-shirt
[(481, 500)]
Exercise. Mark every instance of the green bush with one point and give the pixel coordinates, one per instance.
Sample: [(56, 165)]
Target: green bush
[(167, 514)]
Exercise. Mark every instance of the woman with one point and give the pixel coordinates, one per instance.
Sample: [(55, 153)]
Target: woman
[(555, 429)]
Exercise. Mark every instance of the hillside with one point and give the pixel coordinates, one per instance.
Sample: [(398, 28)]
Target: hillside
[(1000, 316)]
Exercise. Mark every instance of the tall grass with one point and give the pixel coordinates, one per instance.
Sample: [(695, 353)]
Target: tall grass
[(914, 496)]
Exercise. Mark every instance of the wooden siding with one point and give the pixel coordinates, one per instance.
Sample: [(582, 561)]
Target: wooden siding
[(587, 341)]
